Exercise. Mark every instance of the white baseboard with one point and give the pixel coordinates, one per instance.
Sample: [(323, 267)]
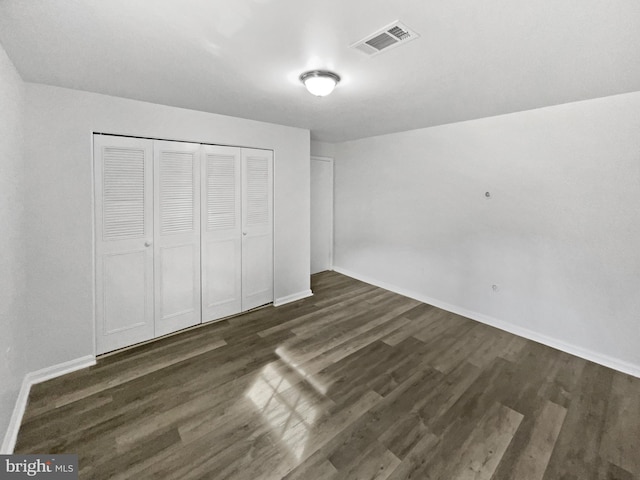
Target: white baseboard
[(11, 436), (48, 373), (292, 298), (30, 379), (596, 357)]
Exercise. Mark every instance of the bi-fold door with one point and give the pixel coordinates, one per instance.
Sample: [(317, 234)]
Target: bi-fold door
[(176, 249), (124, 241), (237, 230), (183, 235)]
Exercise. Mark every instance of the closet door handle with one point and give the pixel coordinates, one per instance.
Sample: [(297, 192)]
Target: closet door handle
[(148, 243), (244, 233)]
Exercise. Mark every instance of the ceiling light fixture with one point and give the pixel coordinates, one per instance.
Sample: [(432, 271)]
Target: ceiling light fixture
[(319, 82)]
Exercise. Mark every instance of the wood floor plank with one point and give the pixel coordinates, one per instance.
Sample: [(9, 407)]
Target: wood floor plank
[(481, 453), (404, 435), (577, 450), (354, 382), (321, 469), (415, 464), (336, 311), (616, 473), (448, 393), (385, 414), (621, 440), (461, 346), (375, 463), (532, 446)]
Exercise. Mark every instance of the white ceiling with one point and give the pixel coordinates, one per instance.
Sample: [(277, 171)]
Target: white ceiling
[(243, 57)]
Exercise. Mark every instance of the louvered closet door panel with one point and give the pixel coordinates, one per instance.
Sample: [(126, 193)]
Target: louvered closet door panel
[(257, 227), (221, 232), (124, 228), (177, 235)]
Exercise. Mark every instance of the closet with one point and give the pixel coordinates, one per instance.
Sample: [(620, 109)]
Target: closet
[(184, 235)]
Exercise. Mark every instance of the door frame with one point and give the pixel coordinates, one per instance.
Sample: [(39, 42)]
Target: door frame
[(330, 161)]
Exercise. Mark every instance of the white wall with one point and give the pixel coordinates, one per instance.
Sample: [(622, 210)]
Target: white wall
[(322, 149), (59, 238), (560, 235), (12, 252)]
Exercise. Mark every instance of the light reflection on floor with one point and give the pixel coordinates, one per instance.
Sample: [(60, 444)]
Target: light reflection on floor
[(288, 358), (283, 404)]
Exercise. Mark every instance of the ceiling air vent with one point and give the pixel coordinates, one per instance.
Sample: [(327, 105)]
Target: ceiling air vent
[(385, 39)]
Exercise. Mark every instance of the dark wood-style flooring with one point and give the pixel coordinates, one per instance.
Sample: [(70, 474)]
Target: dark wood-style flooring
[(353, 383)]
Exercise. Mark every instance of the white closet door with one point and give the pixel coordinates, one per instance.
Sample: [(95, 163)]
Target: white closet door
[(177, 235), (124, 230), (221, 232), (257, 228)]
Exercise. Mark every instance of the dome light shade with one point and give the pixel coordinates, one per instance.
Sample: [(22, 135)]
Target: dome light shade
[(319, 83)]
